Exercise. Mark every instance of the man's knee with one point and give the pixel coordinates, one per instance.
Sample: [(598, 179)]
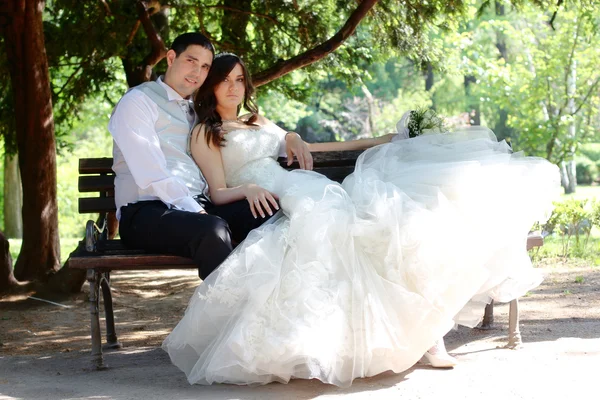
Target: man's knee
[(210, 248)]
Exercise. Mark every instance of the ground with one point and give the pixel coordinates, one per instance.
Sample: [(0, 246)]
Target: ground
[(44, 348)]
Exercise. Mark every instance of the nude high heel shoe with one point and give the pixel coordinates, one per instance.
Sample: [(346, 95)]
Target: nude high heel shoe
[(441, 360), (438, 357)]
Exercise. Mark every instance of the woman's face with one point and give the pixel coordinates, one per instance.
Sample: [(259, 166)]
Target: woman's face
[(230, 92)]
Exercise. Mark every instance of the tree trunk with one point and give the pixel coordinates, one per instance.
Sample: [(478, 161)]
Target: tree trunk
[(25, 47), (502, 130), (572, 130), (568, 176), (7, 279), (429, 77), (370, 123), (13, 198), (472, 104)]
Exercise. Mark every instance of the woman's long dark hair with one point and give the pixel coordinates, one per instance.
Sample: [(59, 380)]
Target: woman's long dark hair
[(205, 101)]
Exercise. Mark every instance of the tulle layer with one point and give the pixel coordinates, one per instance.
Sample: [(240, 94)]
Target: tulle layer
[(355, 279)]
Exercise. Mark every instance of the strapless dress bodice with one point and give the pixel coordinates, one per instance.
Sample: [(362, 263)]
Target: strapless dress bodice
[(250, 156)]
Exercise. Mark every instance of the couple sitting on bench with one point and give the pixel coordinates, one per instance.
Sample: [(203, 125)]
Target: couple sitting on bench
[(329, 281)]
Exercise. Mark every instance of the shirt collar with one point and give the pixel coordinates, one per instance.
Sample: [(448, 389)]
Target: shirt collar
[(171, 93)]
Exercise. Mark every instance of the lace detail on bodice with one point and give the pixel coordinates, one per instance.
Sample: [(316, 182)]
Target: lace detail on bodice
[(250, 156)]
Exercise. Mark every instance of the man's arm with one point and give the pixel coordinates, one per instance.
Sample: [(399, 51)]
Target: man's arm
[(132, 128)]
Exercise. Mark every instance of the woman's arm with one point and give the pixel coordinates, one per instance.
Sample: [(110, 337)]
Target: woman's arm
[(210, 161), (359, 144)]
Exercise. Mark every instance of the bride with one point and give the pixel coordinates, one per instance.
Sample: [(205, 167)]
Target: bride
[(351, 280)]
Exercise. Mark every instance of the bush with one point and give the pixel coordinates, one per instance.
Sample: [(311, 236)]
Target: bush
[(574, 219), (591, 151), (586, 169)]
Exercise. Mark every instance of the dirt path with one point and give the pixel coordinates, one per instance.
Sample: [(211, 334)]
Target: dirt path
[(44, 349)]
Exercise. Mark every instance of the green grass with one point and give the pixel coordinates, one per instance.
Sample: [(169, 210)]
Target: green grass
[(584, 192), (554, 246), (67, 245)]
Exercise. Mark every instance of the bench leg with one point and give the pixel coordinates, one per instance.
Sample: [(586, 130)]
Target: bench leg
[(514, 334), (488, 317), (93, 278), (111, 335)]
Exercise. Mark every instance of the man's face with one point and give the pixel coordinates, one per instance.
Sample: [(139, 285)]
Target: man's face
[(187, 72)]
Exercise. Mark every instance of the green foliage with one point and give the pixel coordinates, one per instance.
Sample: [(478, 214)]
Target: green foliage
[(281, 110), (587, 170), (103, 37), (93, 140), (574, 219), (591, 151), (546, 80)]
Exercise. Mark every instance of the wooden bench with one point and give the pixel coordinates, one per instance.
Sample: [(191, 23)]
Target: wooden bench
[(99, 255)]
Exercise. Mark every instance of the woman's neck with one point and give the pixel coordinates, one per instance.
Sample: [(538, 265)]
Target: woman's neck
[(227, 114)]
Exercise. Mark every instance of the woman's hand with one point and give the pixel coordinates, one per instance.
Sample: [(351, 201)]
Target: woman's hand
[(259, 200), (385, 138), (295, 146)]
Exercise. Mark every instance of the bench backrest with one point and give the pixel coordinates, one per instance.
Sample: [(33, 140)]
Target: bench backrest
[(97, 176)]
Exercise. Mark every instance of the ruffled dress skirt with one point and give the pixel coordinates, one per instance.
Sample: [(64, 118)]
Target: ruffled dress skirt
[(352, 280)]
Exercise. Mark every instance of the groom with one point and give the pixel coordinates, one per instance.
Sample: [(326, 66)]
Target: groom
[(162, 199)]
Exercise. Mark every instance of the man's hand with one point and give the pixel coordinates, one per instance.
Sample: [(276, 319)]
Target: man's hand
[(295, 146)]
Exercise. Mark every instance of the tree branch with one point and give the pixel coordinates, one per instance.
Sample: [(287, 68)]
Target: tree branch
[(71, 77), (132, 33), (106, 7), (318, 52), (159, 50), (586, 96), (551, 22)]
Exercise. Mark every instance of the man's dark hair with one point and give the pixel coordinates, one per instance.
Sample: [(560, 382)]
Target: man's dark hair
[(181, 42)]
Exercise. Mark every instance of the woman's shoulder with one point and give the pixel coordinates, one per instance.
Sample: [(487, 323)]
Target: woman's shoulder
[(260, 120), (199, 129)]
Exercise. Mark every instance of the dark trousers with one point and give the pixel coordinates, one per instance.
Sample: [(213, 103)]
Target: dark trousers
[(206, 238)]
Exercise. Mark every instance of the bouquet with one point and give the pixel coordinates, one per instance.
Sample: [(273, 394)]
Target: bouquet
[(420, 121)]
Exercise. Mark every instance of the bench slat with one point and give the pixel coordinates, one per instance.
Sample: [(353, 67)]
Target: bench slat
[(96, 183), (328, 159), (95, 165), (130, 262), (96, 204)]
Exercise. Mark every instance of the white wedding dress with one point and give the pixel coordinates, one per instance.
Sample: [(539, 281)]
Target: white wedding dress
[(356, 279)]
